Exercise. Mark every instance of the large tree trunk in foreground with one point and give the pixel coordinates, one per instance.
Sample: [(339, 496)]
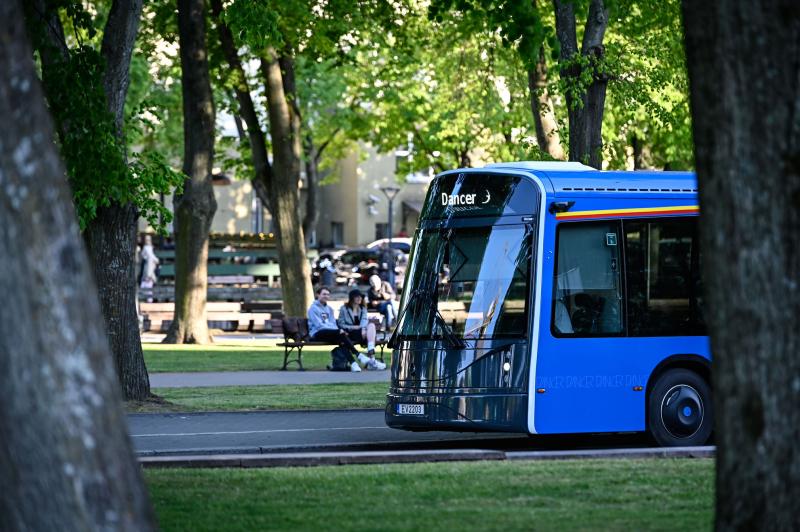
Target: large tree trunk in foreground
[(744, 76), (585, 107), (544, 117), (65, 458), (196, 206), (284, 192)]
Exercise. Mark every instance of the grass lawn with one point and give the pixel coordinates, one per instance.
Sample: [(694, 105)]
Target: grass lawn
[(179, 358), (284, 397), (553, 495)]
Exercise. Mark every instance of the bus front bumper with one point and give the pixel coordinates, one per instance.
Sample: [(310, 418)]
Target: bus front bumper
[(466, 412)]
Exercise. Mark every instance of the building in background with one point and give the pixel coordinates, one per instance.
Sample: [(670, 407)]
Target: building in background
[(353, 210)]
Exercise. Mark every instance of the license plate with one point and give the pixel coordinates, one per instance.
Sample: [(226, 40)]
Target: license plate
[(412, 410)]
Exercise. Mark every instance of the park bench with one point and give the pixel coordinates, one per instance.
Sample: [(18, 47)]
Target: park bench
[(228, 316), (295, 338)]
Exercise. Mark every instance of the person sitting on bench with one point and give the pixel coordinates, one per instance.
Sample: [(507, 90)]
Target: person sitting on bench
[(323, 328), (353, 319)]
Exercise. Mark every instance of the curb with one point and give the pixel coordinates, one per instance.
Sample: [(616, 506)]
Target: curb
[(309, 459), (319, 459), (653, 452)]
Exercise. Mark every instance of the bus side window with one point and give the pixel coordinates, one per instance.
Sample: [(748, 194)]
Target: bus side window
[(588, 294), (663, 277)]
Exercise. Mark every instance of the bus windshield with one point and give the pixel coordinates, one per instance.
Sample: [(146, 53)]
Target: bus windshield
[(469, 283)]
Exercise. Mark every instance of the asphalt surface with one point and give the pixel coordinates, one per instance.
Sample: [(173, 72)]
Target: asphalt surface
[(353, 430), (264, 432), (258, 378)]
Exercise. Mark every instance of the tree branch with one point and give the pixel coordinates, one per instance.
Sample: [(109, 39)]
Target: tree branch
[(119, 37), (258, 142), (596, 24), (565, 28)]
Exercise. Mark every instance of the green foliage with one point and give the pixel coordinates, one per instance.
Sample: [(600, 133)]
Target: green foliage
[(93, 151), (150, 174), (154, 107), (454, 97), (648, 94), (643, 60), (320, 39), (309, 27), (255, 23), (519, 23)]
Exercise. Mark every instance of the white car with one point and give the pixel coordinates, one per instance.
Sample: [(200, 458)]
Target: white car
[(401, 243)]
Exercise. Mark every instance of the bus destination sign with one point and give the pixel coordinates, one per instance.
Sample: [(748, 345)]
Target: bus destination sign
[(480, 194)]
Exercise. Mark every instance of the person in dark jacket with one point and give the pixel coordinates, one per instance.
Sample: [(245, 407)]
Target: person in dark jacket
[(353, 320)]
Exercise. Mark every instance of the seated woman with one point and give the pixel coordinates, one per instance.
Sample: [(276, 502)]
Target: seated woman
[(353, 320), (381, 298), (323, 328)]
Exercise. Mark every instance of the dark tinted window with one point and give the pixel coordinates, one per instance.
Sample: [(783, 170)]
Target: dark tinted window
[(588, 286), (469, 282), (663, 277)]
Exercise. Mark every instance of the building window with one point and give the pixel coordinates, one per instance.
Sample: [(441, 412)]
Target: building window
[(588, 291), (381, 231), (663, 276), (337, 233)]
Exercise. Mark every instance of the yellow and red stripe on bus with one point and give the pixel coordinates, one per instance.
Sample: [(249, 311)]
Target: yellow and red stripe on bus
[(627, 213)]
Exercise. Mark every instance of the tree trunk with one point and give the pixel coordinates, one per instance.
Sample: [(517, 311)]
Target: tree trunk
[(585, 104), (542, 108), (119, 37), (196, 206), (312, 185), (65, 458), (111, 239), (744, 74), (111, 236), (284, 192)]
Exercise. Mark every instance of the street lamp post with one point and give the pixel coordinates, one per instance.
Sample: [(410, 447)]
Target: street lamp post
[(390, 192)]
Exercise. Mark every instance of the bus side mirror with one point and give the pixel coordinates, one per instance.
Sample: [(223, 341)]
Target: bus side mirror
[(560, 206)]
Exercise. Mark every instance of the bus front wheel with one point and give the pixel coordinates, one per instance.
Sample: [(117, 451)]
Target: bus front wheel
[(679, 409)]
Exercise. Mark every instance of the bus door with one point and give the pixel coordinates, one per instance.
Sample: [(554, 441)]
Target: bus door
[(585, 376)]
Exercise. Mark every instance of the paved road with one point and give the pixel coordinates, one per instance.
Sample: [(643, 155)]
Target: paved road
[(257, 378), (270, 432)]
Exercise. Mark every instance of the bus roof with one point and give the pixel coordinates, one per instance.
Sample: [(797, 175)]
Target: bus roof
[(576, 179)]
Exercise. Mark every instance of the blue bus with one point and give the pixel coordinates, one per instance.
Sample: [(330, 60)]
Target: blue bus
[(553, 298)]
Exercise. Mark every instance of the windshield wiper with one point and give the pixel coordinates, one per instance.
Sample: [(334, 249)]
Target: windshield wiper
[(448, 334), (398, 324)]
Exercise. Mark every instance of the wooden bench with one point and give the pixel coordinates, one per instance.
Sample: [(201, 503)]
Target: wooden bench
[(295, 337), (227, 316)]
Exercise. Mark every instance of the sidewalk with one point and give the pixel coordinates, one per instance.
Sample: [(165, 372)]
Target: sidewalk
[(260, 378)]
